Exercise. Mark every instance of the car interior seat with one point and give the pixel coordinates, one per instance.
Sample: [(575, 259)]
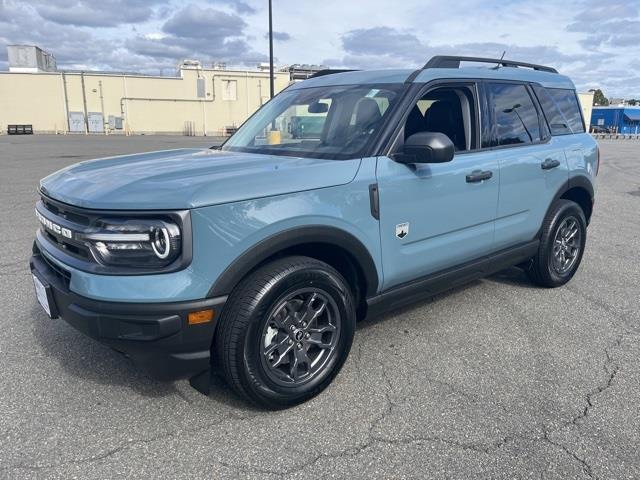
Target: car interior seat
[(445, 116)]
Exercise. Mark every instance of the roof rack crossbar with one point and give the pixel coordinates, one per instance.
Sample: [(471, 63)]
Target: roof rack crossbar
[(446, 61)]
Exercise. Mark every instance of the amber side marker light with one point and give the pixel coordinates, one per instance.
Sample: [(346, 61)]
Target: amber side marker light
[(201, 316)]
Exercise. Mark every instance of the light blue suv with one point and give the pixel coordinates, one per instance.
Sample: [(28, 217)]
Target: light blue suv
[(256, 259)]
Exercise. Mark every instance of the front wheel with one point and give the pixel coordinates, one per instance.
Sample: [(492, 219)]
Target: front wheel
[(562, 242), (285, 332)]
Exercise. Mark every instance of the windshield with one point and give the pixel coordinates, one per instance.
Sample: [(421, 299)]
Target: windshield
[(335, 122)]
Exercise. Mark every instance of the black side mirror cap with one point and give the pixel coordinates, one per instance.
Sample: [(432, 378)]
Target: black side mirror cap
[(426, 147)]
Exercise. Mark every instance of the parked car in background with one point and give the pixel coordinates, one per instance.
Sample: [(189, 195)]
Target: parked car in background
[(258, 258)]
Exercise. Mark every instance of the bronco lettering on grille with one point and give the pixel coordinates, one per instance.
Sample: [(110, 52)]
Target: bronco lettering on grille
[(54, 227)]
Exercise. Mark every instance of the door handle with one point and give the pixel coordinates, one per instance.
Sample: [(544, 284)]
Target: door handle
[(550, 163), (478, 176)]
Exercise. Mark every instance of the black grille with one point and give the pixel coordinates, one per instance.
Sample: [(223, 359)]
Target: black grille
[(71, 218), (61, 273), (63, 244), (62, 211)]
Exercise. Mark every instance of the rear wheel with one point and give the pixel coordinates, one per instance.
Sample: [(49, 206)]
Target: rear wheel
[(562, 242), (285, 332)]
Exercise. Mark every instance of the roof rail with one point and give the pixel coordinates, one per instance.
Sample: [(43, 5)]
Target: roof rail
[(331, 71), (447, 61)]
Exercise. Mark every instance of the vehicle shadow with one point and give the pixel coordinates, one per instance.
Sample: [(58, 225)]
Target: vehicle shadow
[(513, 276), (91, 362), (372, 320)]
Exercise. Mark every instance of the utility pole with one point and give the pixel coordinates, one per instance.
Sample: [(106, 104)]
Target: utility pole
[(84, 104), (271, 89)]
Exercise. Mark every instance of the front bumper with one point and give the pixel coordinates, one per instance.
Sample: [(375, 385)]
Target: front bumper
[(156, 336)]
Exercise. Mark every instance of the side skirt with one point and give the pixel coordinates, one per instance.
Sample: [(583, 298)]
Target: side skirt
[(430, 285)]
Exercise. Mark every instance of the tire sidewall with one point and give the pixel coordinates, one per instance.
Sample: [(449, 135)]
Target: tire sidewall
[(564, 210), (306, 276)]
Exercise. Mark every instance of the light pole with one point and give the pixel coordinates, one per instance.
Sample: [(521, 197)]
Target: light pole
[(271, 88), (514, 109)]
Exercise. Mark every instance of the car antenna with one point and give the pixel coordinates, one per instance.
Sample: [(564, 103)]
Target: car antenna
[(498, 64)]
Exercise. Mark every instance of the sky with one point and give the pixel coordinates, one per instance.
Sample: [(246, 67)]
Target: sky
[(597, 43)]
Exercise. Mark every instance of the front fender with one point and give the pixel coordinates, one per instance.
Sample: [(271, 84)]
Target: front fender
[(292, 237), (231, 239)]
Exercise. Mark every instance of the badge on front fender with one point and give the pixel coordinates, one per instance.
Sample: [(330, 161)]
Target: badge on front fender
[(402, 230)]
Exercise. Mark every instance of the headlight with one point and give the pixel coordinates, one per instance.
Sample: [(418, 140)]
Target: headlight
[(134, 242)]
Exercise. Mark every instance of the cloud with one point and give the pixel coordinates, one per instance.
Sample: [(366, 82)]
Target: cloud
[(383, 46), (279, 36), (238, 5), (384, 41), (204, 23), (611, 24), (193, 32), (93, 13), (596, 11)]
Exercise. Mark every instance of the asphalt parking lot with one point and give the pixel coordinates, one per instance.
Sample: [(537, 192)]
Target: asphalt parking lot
[(497, 379)]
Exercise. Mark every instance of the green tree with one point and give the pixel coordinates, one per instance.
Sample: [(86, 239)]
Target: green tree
[(598, 98)]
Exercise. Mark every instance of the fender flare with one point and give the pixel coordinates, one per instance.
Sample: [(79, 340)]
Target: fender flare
[(293, 237), (580, 181)]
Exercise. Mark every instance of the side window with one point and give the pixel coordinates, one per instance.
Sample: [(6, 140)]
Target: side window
[(556, 121), (567, 101), (448, 110), (515, 118)]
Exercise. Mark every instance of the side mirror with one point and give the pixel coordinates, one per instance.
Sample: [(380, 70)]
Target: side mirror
[(318, 107), (427, 147)]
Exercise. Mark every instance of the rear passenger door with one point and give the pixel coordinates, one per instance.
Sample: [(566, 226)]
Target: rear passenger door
[(532, 164)]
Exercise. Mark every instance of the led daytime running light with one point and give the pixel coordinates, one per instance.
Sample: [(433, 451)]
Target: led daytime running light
[(118, 237), (161, 245)]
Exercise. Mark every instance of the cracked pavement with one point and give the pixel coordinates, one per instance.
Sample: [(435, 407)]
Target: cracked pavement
[(496, 379)]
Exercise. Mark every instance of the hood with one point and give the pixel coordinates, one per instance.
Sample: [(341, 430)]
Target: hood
[(190, 178)]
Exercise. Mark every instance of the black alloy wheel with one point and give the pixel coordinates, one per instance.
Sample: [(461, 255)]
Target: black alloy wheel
[(285, 331), (562, 241), (300, 336)]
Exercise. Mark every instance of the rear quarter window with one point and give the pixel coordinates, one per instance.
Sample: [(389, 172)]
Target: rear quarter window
[(561, 110)]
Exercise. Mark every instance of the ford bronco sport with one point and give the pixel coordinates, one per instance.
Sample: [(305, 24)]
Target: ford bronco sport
[(258, 257)]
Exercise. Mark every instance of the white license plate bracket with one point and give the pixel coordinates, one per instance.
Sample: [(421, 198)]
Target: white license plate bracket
[(44, 296)]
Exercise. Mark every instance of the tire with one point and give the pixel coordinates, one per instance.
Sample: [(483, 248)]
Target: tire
[(548, 269), (262, 337)]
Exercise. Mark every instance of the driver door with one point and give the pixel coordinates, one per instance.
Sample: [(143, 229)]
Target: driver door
[(437, 216)]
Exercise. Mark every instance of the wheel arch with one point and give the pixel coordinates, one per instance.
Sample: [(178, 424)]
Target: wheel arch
[(338, 248), (578, 189)]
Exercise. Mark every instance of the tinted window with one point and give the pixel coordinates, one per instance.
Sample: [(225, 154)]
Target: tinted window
[(557, 123), (567, 102), (515, 118)]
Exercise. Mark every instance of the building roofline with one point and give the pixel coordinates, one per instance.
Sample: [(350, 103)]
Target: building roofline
[(219, 72), (615, 107)]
